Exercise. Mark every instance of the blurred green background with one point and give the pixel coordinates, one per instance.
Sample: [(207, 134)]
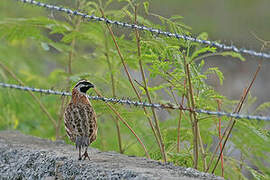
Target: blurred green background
[(231, 22)]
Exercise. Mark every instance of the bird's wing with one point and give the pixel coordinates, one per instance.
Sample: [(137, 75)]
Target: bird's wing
[(69, 121), (88, 121), (91, 122)]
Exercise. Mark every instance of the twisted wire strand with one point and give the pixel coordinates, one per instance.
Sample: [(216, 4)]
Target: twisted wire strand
[(137, 103), (150, 29)]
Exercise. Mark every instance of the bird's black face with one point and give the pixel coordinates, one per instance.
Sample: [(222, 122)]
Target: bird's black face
[(83, 86)]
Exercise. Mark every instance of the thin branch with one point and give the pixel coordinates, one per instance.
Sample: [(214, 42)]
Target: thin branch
[(196, 132), (238, 108), (120, 55), (224, 133), (195, 122), (60, 117), (147, 92), (73, 42), (180, 116), (234, 121), (126, 124), (219, 134), (128, 74), (43, 108), (113, 91)]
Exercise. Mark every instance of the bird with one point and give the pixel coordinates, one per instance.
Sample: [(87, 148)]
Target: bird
[(80, 118)]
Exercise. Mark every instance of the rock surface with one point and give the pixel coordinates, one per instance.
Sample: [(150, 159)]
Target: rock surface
[(27, 157)]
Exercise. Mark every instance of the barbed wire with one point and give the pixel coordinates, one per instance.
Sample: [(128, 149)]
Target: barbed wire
[(150, 29), (137, 103)]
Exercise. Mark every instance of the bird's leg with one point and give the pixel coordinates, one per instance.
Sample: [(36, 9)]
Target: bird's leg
[(80, 156), (85, 154)]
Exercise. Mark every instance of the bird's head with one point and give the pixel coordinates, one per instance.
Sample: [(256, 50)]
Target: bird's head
[(83, 85)]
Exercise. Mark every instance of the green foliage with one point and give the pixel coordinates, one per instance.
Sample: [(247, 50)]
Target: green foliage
[(41, 50)]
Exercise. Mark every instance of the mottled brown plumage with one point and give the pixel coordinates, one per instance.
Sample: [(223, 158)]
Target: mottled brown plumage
[(80, 118)]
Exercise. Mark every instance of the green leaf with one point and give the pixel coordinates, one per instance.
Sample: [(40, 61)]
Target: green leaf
[(146, 7), (233, 54), (203, 36), (218, 73), (176, 17), (263, 107), (201, 65), (203, 50)]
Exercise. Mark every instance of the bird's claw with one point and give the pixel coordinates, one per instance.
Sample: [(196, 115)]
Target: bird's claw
[(85, 155)]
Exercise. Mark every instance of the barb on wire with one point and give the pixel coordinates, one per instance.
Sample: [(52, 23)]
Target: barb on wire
[(137, 103), (150, 29)]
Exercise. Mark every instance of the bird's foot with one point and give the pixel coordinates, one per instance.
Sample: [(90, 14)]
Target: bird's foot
[(85, 155)]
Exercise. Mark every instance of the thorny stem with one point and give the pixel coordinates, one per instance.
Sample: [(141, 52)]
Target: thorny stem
[(121, 57), (139, 97), (238, 106), (223, 135), (43, 108), (160, 141), (241, 164), (60, 116), (179, 125), (202, 149), (71, 52), (219, 134), (180, 116), (143, 76), (190, 113), (70, 56), (175, 78), (195, 122), (109, 64), (125, 123), (113, 92), (234, 121), (196, 132), (119, 136), (179, 121)]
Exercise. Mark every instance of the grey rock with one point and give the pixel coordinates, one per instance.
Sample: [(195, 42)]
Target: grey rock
[(28, 157)]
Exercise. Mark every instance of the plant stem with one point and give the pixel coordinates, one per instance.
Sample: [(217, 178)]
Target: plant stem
[(222, 137), (202, 149), (161, 144), (180, 116), (190, 113), (196, 133), (113, 92), (139, 97), (60, 116), (195, 122), (219, 134), (125, 123), (43, 108), (240, 106), (121, 57), (71, 52)]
